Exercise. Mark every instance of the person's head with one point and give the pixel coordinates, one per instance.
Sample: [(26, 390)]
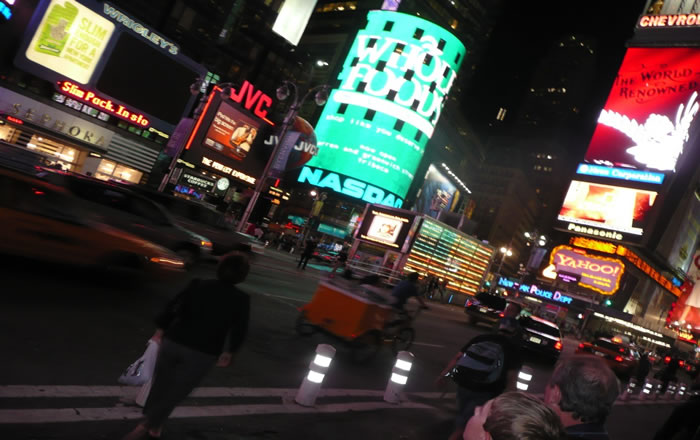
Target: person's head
[(412, 277), (512, 310), (233, 268), (584, 387), (514, 416)]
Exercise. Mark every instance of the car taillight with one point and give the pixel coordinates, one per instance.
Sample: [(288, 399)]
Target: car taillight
[(622, 350), (501, 315), (557, 345), (469, 303), (667, 360), (581, 346), (681, 363), (619, 358)]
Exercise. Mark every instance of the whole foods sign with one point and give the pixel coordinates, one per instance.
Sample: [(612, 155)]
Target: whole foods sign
[(393, 86), (597, 273)]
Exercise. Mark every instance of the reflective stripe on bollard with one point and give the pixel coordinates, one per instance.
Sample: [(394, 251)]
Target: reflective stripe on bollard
[(670, 390), (647, 390), (524, 378), (310, 386), (682, 391), (629, 389), (399, 377)]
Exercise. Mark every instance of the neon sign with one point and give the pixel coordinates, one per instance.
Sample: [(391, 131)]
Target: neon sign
[(534, 290), (393, 85), (597, 273), (248, 97), (631, 257), (620, 173), (228, 170), (679, 20), (6, 8), (140, 29), (107, 105), (348, 186)]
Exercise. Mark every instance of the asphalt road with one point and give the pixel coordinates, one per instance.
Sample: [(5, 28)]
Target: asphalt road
[(67, 333)]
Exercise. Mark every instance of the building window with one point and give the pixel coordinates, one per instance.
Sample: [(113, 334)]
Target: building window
[(110, 170)]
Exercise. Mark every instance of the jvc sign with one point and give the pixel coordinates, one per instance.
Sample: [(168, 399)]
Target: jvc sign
[(349, 187)]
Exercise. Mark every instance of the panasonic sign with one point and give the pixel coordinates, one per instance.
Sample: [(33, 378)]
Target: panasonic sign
[(348, 186)]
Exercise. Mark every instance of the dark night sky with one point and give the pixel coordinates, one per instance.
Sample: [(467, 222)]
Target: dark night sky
[(525, 32)]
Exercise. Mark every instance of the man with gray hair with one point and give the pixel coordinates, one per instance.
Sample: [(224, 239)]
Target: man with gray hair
[(582, 391)]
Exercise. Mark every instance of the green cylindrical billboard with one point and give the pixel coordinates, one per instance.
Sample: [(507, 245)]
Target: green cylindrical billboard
[(373, 130)]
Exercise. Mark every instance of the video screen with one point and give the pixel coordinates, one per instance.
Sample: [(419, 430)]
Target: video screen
[(385, 227), (606, 206), (231, 132)]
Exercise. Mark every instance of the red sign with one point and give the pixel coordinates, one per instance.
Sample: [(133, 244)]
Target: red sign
[(679, 20), (597, 273), (106, 105), (650, 112), (253, 100)]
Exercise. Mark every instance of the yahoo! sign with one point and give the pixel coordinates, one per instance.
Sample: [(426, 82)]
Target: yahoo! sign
[(535, 290), (597, 273)]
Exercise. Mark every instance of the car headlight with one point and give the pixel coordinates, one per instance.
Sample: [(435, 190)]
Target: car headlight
[(173, 263), (205, 244)]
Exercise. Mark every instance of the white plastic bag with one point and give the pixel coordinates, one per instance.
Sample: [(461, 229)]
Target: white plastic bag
[(141, 371)]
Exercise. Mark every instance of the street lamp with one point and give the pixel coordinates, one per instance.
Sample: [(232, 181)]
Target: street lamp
[(283, 92), (505, 252)]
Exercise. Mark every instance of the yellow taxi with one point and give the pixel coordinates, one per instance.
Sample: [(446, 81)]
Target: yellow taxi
[(44, 221)]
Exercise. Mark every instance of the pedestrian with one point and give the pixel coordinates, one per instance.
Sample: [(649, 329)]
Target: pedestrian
[(193, 330), (340, 260), (514, 416), (485, 367), (404, 290), (258, 232), (307, 253), (582, 390), (643, 367)]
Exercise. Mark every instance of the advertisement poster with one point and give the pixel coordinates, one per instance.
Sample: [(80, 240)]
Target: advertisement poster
[(389, 228), (70, 40), (376, 124), (651, 111), (609, 207), (436, 194), (231, 132)]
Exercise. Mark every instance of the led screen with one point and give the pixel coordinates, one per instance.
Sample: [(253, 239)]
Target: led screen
[(376, 124), (70, 40), (598, 273), (231, 133), (650, 112), (385, 227), (597, 207), (436, 194)]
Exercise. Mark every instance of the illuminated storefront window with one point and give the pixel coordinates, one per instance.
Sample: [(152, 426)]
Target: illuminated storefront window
[(109, 170)]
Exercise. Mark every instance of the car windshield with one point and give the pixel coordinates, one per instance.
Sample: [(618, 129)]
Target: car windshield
[(492, 301), (531, 324)]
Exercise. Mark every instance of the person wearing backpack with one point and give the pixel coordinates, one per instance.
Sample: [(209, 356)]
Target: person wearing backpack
[(483, 369)]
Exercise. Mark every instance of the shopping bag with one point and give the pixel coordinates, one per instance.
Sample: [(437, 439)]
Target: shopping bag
[(141, 371)]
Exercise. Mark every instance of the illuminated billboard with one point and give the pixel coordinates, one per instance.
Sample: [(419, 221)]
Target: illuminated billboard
[(436, 194), (597, 273), (231, 132), (373, 130), (293, 18), (70, 40), (386, 227), (650, 112), (606, 211)]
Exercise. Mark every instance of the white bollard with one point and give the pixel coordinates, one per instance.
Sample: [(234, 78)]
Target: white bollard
[(524, 378), (629, 389), (399, 377), (647, 392), (306, 396), (142, 396), (670, 391)]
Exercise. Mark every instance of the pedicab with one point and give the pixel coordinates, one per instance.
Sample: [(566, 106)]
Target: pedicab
[(360, 317)]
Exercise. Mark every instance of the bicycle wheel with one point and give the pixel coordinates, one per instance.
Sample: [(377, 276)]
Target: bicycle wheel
[(303, 327), (403, 340), (365, 347)]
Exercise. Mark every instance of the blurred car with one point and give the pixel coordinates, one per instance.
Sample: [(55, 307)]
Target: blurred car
[(324, 256), (127, 210), (621, 357), (541, 337), (203, 220), (485, 308), (43, 221)]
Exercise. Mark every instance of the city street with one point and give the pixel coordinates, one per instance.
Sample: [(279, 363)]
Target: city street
[(69, 334)]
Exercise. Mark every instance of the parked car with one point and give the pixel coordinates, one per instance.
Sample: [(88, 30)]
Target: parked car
[(541, 337), (621, 357), (131, 212), (485, 308), (204, 220), (45, 222)]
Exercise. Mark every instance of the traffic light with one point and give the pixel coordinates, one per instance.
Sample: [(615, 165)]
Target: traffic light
[(608, 302)]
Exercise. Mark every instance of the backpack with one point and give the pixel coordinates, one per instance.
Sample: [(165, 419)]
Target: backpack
[(481, 367)]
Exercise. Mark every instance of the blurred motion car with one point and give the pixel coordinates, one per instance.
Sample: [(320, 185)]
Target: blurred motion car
[(485, 308), (541, 337), (203, 220), (621, 357), (127, 210), (45, 222)]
